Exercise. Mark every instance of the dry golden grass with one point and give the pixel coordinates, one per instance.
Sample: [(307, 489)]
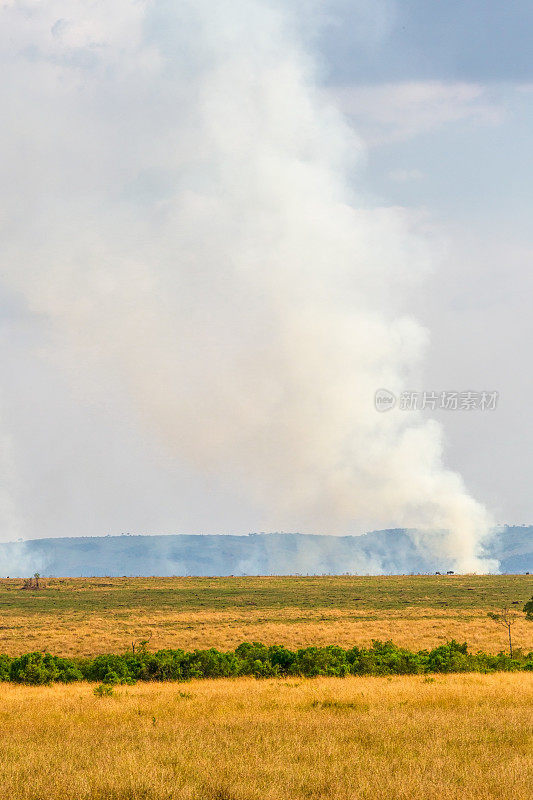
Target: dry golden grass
[(457, 737), (88, 633), (445, 738)]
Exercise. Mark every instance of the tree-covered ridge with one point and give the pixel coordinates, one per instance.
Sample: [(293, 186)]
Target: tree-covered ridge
[(386, 551)]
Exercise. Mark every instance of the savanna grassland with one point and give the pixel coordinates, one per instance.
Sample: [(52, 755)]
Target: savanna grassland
[(81, 616), (434, 737), (467, 737)]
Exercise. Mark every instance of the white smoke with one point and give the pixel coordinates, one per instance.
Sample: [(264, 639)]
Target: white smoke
[(178, 209), (11, 525), (14, 557)]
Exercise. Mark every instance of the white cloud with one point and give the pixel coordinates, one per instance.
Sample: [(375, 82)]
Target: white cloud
[(399, 111)]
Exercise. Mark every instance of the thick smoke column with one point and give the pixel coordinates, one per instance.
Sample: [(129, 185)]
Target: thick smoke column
[(179, 212)]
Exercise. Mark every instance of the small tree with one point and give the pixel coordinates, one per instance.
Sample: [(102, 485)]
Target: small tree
[(34, 582), (528, 610), (142, 645), (507, 618)]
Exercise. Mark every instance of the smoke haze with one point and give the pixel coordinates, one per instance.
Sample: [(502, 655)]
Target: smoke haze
[(180, 223)]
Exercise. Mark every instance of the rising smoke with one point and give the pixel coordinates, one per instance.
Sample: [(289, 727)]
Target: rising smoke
[(179, 210)]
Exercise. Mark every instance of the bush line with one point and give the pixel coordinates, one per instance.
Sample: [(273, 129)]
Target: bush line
[(255, 659)]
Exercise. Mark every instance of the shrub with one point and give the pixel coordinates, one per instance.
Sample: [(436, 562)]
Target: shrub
[(103, 690), (258, 660), (5, 668), (34, 669), (449, 657)]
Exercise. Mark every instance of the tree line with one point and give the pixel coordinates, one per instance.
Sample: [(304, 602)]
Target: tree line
[(257, 660)]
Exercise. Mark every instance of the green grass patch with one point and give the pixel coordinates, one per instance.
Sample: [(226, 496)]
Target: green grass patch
[(124, 595)]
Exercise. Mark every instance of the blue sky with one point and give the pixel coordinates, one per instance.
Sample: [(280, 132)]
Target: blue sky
[(465, 40)]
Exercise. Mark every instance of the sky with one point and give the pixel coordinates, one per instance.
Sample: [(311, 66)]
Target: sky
[(442, 95), (438, 96)]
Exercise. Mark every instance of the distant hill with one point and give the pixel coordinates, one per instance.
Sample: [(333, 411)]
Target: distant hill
[(378, 552), (514, 549)]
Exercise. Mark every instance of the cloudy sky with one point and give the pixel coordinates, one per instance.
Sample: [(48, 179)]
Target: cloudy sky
[(439, 96), (442, 93)]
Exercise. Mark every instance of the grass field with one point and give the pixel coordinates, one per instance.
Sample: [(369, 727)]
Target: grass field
[(90, 616), (467, 737), (448, 737)]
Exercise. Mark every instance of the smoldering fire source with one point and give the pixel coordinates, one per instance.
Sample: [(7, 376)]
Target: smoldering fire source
[(187, 232)]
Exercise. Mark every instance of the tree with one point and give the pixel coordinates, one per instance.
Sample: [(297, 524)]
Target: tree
[(33, 583), (507, 618), (142, 645), (528, 610)]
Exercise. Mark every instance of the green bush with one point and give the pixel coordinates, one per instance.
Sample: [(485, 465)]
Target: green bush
[(103, 690), (5, 668), (42, 668), (258, 660)]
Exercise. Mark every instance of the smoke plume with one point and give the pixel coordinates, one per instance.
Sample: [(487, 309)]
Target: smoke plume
[(180, 211)]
